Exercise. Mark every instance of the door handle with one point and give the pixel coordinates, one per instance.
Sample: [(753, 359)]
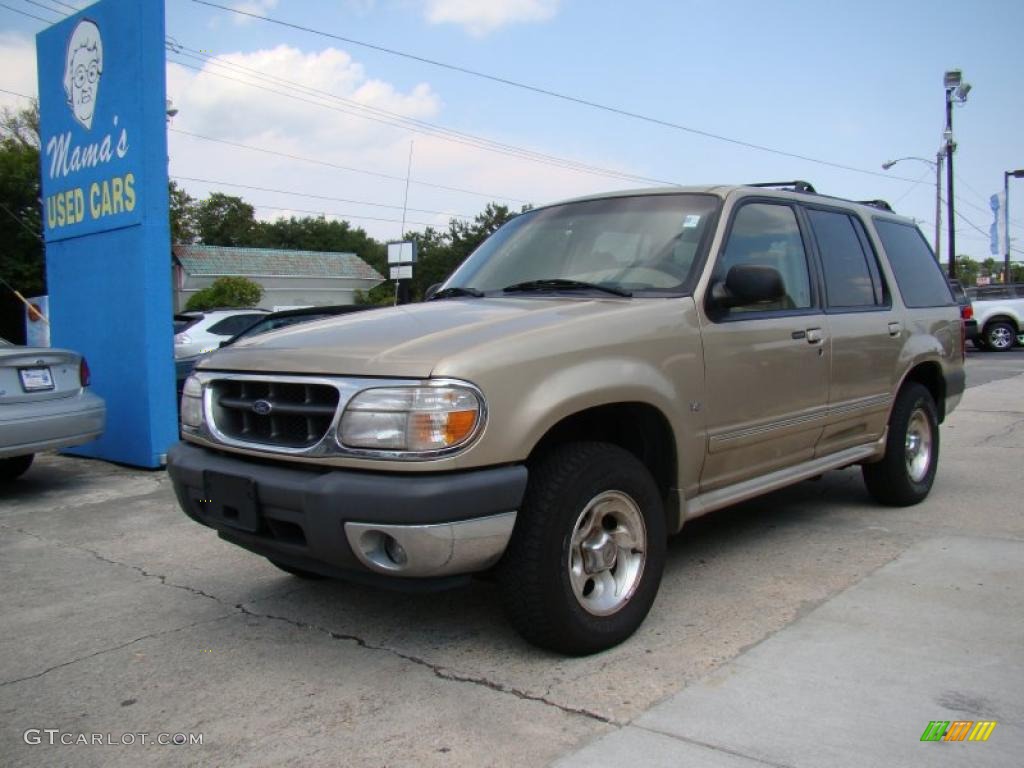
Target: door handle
[(895, 329), (815, 335)]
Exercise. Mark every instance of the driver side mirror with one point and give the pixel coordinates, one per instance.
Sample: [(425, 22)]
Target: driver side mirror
[(748, 284)]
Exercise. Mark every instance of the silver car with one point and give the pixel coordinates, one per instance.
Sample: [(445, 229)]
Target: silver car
[(45, 403)]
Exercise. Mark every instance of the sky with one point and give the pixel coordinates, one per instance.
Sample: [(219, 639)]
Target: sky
[(846, 84)]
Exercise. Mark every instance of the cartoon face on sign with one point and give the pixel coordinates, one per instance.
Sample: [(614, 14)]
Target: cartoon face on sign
[(82, 70)]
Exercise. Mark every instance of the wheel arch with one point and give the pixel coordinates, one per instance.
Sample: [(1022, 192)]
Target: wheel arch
[(929, 374), (641, 429)]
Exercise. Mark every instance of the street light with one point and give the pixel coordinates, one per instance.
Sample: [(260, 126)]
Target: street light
[(937, 164), (956, 89), (1019, 174)]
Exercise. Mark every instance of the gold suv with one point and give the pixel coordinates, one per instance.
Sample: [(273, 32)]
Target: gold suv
[(597, 373)]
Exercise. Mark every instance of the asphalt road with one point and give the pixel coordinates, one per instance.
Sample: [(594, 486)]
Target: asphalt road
[(122, 617), (983, 367)]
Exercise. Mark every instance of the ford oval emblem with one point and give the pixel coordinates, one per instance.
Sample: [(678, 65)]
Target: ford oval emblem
[(262, 407)]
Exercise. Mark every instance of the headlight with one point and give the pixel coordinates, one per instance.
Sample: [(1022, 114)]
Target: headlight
[(412, 419), (192, 403)]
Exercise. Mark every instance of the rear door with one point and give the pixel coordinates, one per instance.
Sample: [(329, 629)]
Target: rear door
[(865, 332)]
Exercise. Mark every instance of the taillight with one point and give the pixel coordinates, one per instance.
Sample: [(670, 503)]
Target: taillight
[(84, 375), (967, 312)]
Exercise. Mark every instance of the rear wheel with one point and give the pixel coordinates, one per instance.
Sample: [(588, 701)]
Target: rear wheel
[(906, 473), (15, 467), (1000, 336), (585, 560)]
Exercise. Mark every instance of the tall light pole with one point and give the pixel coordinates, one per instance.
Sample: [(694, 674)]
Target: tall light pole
[(937, 164), (1019, 174), (956, 90)]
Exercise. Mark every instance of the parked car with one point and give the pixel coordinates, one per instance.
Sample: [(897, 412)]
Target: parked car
[(269, 322), (197, 332), (999, 310), (45, 403), (594, 375), (966, 311)]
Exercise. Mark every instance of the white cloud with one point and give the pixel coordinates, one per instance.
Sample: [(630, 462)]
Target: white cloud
[(213, 106), (17, 69), (479, 17)]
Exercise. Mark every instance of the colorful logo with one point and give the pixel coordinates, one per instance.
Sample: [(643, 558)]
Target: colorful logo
[(958, 730)]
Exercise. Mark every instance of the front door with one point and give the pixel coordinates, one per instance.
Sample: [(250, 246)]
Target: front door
[(767, 364)]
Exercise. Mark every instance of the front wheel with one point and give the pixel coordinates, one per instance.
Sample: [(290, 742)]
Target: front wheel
[(585, 560), (906, 473)]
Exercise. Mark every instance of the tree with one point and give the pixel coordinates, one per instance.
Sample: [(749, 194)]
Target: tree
[(22, 264), (227, 292), (967, 270), (225, 220), (184, 227)]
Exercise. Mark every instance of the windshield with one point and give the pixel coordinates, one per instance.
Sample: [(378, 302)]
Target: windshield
[(273, 323), (644, 244)]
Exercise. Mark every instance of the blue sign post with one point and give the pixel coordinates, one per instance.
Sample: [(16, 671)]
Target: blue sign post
[(102, 103)]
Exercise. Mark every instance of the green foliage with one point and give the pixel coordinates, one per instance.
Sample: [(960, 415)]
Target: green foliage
[(21, 226), (224, 220), (227, 292), (184, 227)]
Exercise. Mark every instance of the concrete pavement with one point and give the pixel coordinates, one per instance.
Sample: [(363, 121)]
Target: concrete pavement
[(122, 616)]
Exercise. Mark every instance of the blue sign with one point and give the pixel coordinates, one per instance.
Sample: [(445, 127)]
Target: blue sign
[(103, 157)]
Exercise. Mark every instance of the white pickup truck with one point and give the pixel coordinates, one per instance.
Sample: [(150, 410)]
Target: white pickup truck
[(999, 310)]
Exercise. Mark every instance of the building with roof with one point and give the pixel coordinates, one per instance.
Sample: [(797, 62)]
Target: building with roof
[(289, 278)]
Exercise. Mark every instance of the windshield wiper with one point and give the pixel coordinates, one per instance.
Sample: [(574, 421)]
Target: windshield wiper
[(456, 290), (559, 284)]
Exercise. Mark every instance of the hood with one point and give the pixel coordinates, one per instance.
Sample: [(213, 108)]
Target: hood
[(409, 341)]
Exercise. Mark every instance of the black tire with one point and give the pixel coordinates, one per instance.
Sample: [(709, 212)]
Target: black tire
[(534, 573), (309, 575), (1000, 336), (893, 481), (14, 467)]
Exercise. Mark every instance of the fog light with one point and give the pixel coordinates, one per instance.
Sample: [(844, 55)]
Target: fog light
[(395, 551)]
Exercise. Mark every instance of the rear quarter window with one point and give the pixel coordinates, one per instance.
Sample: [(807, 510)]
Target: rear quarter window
[(918, 274)]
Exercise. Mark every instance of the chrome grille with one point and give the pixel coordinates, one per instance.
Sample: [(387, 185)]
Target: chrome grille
[(286, 414)]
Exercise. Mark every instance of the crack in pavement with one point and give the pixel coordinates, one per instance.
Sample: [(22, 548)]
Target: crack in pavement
[(438, 670), (115, 648)]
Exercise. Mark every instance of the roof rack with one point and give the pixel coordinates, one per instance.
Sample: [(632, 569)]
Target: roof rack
[(882, 204), (793, 186)]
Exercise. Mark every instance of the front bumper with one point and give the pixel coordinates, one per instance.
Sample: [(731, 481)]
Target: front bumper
[(343, 522)]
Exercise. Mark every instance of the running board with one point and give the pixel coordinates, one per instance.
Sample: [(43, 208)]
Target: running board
[(748, 489)]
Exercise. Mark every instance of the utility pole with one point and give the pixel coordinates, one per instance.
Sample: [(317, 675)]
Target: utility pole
[(1018, 174), (938, 206), (955, 88)]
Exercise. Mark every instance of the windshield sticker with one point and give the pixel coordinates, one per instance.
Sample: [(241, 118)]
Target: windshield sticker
[(691, 221)]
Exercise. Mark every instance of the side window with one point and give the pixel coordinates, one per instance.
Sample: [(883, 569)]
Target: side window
[(918, 274), (850, 281), (229, 326), (768, 235)]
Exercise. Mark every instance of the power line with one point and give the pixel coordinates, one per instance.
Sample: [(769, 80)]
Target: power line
[(320, 197), (15, 93), (47, 8), (394, 119), (346, 167), (66, 5), (26, 13), (547, 92)]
